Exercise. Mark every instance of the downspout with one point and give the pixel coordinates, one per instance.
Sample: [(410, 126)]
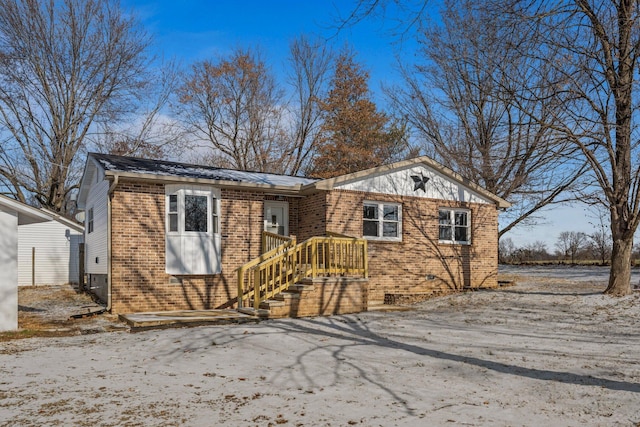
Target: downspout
[(112, 187)]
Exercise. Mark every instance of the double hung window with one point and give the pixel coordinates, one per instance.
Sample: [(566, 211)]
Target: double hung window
[(454, 226), (382, 221)]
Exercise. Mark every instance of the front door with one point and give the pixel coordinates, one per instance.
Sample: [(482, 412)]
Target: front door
[(276, 217)]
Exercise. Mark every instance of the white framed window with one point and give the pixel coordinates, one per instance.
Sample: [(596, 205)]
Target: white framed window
[(454, 226), (193, 244), (382, 221), (192, 210), (215, 217), (90, 221), (172, 212)]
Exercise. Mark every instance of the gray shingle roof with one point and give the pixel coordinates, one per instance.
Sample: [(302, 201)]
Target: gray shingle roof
[(166, 168)]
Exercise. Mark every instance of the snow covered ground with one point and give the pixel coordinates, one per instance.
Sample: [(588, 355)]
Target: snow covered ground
[(549, 351), (581, 273)]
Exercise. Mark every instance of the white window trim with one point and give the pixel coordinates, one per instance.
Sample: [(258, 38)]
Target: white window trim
[(212, 195), (380, 237), (452, 212)]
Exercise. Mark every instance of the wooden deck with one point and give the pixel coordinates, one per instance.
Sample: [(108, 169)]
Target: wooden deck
[(184, 318)]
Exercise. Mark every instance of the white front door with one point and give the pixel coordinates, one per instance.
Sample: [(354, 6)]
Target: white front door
[(276, 217)]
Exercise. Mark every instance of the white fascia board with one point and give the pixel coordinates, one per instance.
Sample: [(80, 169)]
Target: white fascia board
[(26, 214)]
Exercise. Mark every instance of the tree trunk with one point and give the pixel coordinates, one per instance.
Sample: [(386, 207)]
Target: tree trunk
[(620, 275)]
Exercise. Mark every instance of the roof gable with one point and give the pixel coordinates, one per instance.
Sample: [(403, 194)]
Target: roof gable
[(419, 177)]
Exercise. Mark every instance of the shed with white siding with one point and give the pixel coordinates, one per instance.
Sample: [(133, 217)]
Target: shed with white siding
[(12, 215), (49, 252)]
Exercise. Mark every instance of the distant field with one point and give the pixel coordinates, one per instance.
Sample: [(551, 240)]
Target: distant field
[(577, 272), (635, 263)]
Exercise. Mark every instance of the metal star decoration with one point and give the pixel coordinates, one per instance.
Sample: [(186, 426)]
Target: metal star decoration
[(419, 182)]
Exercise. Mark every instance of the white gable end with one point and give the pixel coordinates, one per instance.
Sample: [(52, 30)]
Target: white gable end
[(416, 181)]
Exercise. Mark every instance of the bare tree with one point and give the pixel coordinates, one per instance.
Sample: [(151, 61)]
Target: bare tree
[(64, 67), (466, 106), (569, 243), (535, 251), (600, 238), (310, 63), (594, 47), (234, 107), (400, 17), (150, 133), (506, 250)]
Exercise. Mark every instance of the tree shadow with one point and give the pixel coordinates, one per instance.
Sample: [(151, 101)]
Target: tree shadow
[(336, 336), (357, 334), (28, 309), (549, 293)]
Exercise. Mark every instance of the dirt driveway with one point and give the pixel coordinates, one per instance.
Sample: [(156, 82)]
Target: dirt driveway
[(46, 311), (547, 351)]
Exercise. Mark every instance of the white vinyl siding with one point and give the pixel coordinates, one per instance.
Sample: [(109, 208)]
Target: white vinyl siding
[(56, 253), (8, 270), (96, 243), (401, 183)]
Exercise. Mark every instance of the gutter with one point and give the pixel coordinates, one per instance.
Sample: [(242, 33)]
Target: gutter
[(286, 190), (112, 188)]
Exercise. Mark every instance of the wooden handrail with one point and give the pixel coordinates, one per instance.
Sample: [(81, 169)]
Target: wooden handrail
[(276, 270), (242, 270), (334, 234), (272, 241)]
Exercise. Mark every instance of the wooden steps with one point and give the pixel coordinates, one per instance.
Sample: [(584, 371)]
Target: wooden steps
[(315, 297), (287, 303)]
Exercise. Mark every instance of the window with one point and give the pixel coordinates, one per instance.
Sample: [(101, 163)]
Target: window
[(214, 216), (454, 226), (192, 211), (173, 212), (90, 221), (195, 213), (382, 221), (193, 242)]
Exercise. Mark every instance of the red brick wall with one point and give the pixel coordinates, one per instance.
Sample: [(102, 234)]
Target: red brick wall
[(139, 281), (419, 263), (312, 216), (324, 297)]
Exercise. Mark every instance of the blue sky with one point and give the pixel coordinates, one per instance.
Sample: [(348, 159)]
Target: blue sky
[(195, 30)]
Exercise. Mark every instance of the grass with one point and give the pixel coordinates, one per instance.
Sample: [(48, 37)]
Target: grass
[(581, 262), (34, 333), (562, 262)]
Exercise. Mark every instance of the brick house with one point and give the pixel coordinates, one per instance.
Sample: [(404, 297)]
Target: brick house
[(162, 235)]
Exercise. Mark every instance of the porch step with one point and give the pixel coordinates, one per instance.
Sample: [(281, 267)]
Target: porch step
[(285, 303), (305, 285), (287, 295), (322, 296), (269, 304)]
